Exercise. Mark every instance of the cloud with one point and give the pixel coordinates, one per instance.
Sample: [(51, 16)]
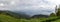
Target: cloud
[(55, 1), (29, 6)]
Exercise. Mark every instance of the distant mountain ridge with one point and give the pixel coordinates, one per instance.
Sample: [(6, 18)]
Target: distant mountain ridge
[(40, 16), (21, 15), (14, 14)]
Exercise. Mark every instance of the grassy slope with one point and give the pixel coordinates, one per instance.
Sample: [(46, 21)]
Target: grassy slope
[(6, 18)]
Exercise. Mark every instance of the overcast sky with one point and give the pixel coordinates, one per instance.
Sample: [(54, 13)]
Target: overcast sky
[(30, 6)]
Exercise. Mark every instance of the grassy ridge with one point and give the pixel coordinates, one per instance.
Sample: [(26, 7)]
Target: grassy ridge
[(4, 17), (7, 18)]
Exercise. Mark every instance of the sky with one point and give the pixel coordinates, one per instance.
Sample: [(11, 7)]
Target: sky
[(31, 7)]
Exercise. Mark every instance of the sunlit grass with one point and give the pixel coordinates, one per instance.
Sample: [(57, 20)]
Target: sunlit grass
[(7, 18)]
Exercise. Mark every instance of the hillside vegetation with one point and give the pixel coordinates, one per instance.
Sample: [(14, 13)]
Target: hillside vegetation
[(8, 16), (5, 16)]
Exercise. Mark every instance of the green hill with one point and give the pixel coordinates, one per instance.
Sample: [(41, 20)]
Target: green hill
[(8, 16)]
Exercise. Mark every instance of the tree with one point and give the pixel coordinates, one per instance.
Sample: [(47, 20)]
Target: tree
[(58, 12), (52, 15)]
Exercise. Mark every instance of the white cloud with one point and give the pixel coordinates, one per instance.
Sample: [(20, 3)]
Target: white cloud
[(55, 1), (30, 6), (1, 4)]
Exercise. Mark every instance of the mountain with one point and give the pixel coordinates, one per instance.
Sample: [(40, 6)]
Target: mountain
[(21, 14), (40, 16), (14, 14)]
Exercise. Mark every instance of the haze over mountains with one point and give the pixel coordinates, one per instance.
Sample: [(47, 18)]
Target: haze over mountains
[(30, 7)]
